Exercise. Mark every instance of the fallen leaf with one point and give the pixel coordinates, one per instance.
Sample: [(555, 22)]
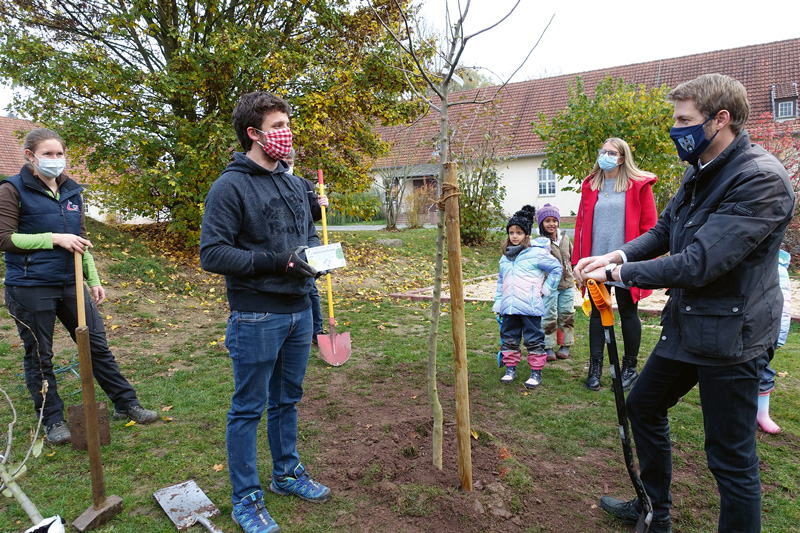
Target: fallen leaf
[(414, 397), (782, 374), (129, 424), (166, 408), (218, 467), (114, 326), (473, 433)]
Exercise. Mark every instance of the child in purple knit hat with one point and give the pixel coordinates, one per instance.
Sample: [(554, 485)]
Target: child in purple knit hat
[(560, 304)]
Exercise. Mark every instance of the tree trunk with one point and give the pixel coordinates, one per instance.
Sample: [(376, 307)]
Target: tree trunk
[(436, 303)]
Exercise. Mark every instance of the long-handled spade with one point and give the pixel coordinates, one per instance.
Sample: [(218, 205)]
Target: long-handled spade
[(602, 300), (334, 348), (103, 508)]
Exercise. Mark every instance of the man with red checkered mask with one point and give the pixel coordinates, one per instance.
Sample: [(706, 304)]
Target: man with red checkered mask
[(256, 226)]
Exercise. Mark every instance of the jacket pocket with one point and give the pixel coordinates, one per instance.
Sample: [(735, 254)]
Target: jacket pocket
[(712, 326)]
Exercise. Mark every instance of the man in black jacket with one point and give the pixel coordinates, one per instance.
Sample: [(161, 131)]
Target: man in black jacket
[(256, 224), (722, 230)]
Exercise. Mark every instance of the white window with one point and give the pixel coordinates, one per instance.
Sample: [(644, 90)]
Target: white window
[(785, 109), (547, 182)]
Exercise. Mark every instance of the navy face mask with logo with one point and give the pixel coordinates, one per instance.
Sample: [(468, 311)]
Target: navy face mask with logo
[(691, 141)]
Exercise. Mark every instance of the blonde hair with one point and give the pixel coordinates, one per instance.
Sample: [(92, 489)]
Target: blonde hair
[(526, 242), (628, 170)]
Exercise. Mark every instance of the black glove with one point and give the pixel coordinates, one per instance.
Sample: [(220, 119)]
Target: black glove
[(321, 273), (290, 263)]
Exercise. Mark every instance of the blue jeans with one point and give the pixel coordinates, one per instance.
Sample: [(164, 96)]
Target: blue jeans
[(316, 309), (729, 400), (270, 354)]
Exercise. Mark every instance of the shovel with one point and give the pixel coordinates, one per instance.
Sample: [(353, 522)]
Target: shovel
[(186, 504), (334, 348), (602, 300), (103, 508)]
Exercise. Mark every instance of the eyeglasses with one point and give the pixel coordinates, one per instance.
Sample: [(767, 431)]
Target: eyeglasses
[(612, 153)]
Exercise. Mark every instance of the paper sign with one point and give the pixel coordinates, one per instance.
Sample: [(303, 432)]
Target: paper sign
[(326, 257)]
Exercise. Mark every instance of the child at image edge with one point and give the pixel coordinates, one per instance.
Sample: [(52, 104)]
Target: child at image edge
[(560, 305), (518, 299)]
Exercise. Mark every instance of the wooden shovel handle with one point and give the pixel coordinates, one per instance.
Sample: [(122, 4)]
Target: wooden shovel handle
[(79, 289)]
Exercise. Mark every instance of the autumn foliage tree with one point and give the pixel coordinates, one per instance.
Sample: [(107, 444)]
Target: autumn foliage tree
[(143, 90), (640, 116)]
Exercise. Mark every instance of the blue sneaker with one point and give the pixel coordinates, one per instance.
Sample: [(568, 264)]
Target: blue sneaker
[(252, 516), (302, 486)]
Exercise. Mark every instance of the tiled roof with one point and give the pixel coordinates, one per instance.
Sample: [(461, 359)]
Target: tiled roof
[(758, 68), (10, 146)]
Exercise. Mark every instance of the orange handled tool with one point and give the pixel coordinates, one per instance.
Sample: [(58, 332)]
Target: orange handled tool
[(602, 300)]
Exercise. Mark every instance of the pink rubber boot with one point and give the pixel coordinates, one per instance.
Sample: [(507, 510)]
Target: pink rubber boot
[(763, 418)]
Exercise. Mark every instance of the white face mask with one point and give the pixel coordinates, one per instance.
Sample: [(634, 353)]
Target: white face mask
[(51, 168)]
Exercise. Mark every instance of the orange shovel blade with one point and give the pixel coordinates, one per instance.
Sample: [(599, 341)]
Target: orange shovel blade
[(334, 348)]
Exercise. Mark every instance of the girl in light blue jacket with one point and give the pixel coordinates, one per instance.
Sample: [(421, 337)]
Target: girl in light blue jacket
[(528, 271)]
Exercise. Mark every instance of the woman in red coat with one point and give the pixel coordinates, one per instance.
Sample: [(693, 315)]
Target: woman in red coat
[(617, 205)]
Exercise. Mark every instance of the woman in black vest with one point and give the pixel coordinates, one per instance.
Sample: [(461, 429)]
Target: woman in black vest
[(42, 224)]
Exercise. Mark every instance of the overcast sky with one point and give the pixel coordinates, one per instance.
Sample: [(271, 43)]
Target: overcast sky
[(587, 35)]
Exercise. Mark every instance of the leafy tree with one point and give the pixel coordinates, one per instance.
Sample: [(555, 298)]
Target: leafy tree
[(640, 116), (778, 139), (143, 90)]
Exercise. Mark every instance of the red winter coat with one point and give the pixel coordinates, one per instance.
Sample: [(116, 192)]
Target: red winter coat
[(640, 216)]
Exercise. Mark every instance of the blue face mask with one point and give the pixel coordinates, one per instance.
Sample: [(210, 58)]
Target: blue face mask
[(691, 141), (606, 162)]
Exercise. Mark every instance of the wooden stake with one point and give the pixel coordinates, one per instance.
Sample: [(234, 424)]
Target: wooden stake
[(450, 199)]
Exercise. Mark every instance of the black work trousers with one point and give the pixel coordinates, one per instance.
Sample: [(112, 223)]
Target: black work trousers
[(35, 310)]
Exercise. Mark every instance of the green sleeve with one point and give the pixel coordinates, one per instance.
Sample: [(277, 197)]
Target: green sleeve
[(89, 270), (33, 241)]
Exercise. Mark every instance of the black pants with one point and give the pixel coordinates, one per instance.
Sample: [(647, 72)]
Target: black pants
[(729, 400), (631, 326), (35, 310)]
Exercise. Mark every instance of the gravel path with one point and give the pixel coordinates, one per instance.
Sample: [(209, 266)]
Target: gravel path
[(484, 289)]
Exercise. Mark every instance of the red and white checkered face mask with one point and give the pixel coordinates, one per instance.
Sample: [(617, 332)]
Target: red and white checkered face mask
[(277, 143)]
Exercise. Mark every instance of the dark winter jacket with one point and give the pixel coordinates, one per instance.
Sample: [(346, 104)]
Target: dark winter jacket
[(40, 212), (722, 229), (251, 214)]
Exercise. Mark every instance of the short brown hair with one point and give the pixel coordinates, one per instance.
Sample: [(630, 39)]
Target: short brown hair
[(250, 112), (711, 93)]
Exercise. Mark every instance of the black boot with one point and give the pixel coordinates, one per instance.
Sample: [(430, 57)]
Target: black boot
[(629, 372), (629, 512), (595, 371)]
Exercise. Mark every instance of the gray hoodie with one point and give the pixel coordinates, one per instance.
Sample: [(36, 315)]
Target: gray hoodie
[(250, 215)]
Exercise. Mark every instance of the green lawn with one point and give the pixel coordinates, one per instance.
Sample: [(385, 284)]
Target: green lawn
[(166, 323)]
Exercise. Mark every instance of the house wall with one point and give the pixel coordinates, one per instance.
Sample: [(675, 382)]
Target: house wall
[(520, 177)]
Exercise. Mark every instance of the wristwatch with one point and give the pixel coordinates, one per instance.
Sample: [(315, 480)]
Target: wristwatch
[(610, 270)]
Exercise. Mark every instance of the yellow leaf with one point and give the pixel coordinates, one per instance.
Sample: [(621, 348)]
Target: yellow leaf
[(212, 343), (218, 467), (129, 424), (473, 433), (114, 326), (108, 317), (166, 408), (51, 454), (414, 397)]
